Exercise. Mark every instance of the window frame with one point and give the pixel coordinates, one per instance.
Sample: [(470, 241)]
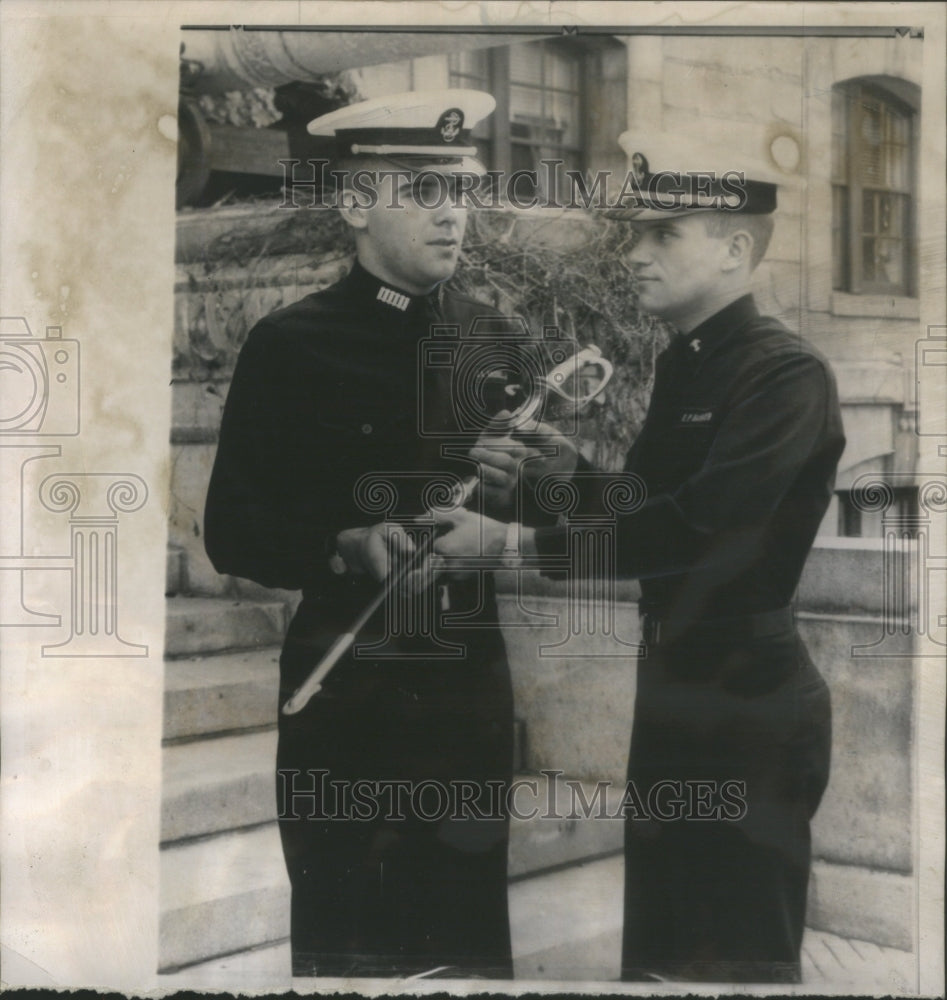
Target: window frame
[(849, 222), (498, 82)]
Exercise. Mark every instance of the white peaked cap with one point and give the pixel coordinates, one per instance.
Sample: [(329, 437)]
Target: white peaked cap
[(742, 183), (426, 129)]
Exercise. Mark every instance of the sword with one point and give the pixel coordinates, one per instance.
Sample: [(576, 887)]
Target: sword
[(555, 381), (312, 685)]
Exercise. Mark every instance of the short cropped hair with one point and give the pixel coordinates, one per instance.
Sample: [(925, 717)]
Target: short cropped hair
[(760, 227)]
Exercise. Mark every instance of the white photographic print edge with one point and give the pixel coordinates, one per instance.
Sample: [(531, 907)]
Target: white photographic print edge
[(140, 850)]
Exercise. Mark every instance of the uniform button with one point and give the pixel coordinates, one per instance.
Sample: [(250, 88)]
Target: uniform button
[(366, 428)]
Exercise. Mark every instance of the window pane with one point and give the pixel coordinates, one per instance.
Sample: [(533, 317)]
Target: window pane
[(868, 212), (870, 155), (561, 71), (531, 183), (526, 105), (899, 129), (839, 135), (891, 215), (471, 64), (889, 265), (839, 238), (850, 520), (897, 168), (526, 64), (868, 260), (565, 116), (897, 162)]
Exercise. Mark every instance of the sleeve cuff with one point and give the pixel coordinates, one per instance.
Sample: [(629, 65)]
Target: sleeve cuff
[(551, 542)]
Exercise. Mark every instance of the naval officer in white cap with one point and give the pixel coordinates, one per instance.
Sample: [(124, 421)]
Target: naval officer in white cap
[(731, 733), (391, 781)]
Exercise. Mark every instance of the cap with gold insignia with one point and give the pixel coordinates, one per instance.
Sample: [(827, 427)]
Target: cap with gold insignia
[(674, 175), (424, 130)]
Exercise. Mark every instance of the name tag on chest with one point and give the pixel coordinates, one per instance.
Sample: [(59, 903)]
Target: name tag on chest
[(695, 417)]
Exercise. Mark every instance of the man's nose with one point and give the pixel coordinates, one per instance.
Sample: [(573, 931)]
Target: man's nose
[(447, 212), (639, 255)]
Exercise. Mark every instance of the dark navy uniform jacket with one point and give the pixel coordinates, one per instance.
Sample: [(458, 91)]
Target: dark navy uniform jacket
[(738, 455), (326, 392)]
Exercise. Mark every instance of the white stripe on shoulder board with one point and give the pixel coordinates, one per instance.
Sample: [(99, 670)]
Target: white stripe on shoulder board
[(392, 298)]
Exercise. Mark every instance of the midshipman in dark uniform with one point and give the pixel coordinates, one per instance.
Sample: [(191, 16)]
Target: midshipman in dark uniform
[(322, 467), (738, 455)]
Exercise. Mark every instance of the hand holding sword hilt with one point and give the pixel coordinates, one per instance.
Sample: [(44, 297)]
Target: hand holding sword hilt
[(461, 495), (565, 381)]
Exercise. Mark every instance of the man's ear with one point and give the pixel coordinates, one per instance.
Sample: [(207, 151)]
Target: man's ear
[(351, 211), (739, 250)]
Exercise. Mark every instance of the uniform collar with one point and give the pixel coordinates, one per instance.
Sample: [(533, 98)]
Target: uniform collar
[(388, 300), (706, 337)]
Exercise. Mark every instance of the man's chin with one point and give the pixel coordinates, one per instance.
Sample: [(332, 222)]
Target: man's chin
[(648, 299), (435, 275)]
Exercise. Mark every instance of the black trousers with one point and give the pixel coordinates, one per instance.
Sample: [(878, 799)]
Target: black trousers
[(398, 859), (717, 891)]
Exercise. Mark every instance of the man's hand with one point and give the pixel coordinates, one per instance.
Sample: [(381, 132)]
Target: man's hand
[(550, 451), (377, 550), (463, 534), (536, 448)]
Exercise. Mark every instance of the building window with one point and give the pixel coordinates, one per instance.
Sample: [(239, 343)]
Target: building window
[(545, 106), (855, 521), (472, 70), (539, 87), (873, 201)]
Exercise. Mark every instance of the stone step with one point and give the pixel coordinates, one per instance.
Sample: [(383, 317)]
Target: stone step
[(858, 902), (215, 624), (210, 695), (175, 577), (549, 828), (266, 969), (225, 893), (224, 693), (221, 895), (210, 786), (224, 783), (567, 924)]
